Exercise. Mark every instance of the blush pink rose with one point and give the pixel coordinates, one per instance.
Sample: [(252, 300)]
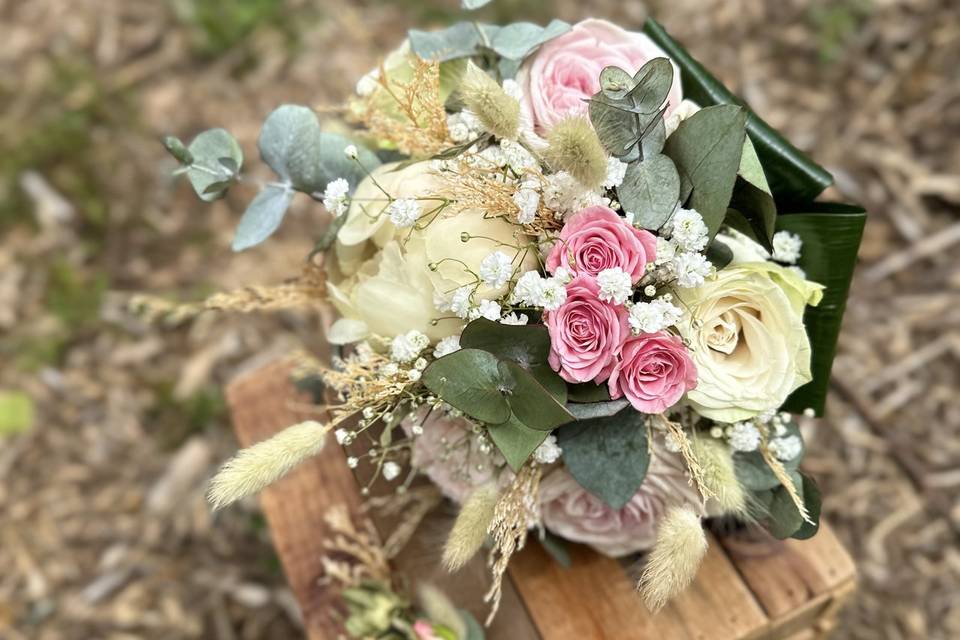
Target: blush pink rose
[(596, 238), (424, 630), (566, 71), (585, 333), (653, 370), (571, 512)]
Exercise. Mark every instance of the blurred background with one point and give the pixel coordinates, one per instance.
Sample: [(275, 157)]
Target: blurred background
[(110, 427)]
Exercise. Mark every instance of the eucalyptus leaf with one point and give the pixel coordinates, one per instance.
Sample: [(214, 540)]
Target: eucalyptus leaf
[(607, 456), (473, 5), (812, 500), (469, 379), (792, 175), (650, 191), (587, 392), (530, 402), (456, 41), (177, 149), (831, 236), (706, 149), (551, 381), (784, 519), (527, 345), (517, 40), (262, 217), (474, 629), (557, 548), (206, 170), (515, 440), (719, 254), (588, 411)]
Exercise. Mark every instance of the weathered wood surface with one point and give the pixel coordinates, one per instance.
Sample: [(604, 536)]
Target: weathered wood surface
[(746, 589)]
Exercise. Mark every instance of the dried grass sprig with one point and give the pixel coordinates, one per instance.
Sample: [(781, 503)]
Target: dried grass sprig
[(515, 512), (361, 556), (686, 450), (719, 475), (781, 473), (412, 506), (676, 556)]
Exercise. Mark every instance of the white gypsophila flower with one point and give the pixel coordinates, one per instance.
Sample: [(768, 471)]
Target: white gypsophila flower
[(786, 247), (765, 417), (391, 470), (564, 195), (517, 156), (488, 309), (404, 212), (615, 285), (441, 302), (691, 269), (414, 374), (786, 448), (496, 269), (389, 369), (352, 462), (743, 436), (653, 316), (650, 291), (666, 251), (549, 451), (341, 435), (688, 230), (563, 274), (527, 201), (368, 83), (335, 196), (800, 273), (553, 295), (671, 443), (420, 363), (351, 151), (460, 301), (528, 289), (463, 126), (407, 346), (616, 170), (515, 319), (492, 156), (446, 346)]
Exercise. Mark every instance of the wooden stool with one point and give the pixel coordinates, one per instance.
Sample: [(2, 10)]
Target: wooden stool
[(771, 589)]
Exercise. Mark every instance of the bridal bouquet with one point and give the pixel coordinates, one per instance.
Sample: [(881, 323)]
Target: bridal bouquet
[(579, 286)]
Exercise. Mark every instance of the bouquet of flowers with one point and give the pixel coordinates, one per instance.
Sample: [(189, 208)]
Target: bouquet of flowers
[(579, 286)]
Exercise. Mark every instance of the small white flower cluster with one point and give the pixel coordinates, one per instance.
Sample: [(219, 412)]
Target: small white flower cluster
[(496, 269), (464, 126), (488, 309), (549, 451), (564, 195), (786, 247), (688, 230), (335, 197), (786, 448), (616, 170), (407, 346), (534, 290), (615, 285), (404, 212), (527, 199), (516, 319), (517, 157), (654, 316), (743, 436), (448, 345), (679, 258)]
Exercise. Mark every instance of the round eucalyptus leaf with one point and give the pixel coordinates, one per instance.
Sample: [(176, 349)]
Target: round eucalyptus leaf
[(471, 381), (650, 190), (206, 170), (262, 217)]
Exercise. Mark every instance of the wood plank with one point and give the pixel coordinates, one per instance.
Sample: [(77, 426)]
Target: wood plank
[(263, 403), (595, 599), (787, 575)]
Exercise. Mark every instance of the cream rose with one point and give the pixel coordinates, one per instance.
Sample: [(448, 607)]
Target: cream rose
[(747, 339), (381, 281)]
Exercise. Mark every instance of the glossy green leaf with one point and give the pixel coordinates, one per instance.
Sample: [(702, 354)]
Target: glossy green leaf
[(530, 401), (792, 175), (650, 191), (263, 216), (516, 441), (527, 345), (209, 177), (706, 149), (719, 254), (831, 236), (607, 456), (587, 392), (471, 381), (753, 198)]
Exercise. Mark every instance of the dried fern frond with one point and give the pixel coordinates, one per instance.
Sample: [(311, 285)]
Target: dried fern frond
[(409, 114), (515, 512)]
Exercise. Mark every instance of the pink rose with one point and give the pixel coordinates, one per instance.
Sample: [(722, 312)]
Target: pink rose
[(424, 630), (452, 455), (585, 333), (572, 512), (566, 71), (653, 371), (596, 238)]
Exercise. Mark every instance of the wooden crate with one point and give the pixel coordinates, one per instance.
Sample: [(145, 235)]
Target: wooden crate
[(745, 589)]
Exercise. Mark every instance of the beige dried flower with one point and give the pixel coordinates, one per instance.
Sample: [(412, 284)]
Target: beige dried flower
[(573, 146), (674, 560), (498, 112), (470, 529), (719, 476)]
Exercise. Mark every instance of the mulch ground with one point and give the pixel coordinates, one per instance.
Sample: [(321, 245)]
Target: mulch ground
[(104, 532)]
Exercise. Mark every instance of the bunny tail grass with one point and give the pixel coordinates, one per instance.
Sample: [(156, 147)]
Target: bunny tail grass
[(573, 146), (674, 559), (470, 529), (498, 111), (255, 467), (719, 476)]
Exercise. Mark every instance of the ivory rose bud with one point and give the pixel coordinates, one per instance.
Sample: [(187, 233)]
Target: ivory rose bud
[(653, 371), (596, 238), (585, 333), (570, 511), (565, 72), (748, 341)]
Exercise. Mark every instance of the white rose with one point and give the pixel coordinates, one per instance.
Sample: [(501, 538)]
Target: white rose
[(382, 277), (747, 338)]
